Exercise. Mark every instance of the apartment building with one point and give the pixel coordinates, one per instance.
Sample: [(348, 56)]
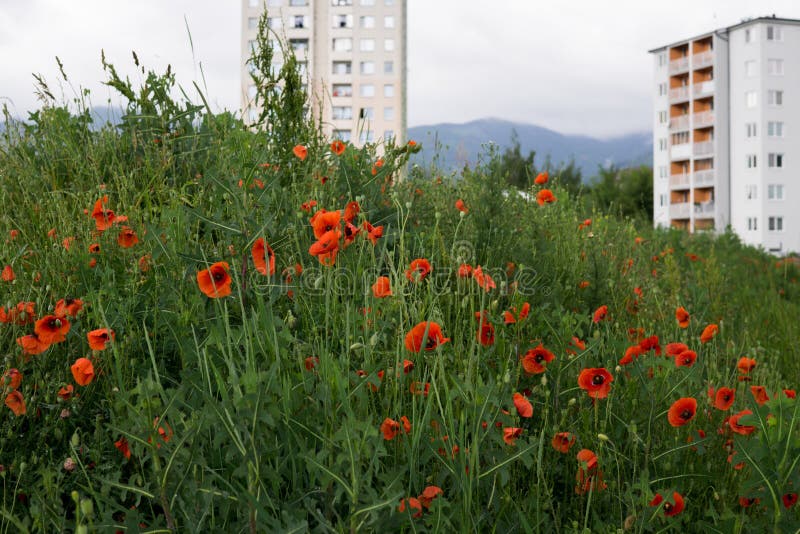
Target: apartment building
[(726, 136), (353, 54)]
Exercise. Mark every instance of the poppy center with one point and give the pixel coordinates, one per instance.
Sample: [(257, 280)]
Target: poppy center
[(430, 344), (598, 380), (539, 359), (54, 323), (667, 507), (218, 276), (686, 414), (726, 398)]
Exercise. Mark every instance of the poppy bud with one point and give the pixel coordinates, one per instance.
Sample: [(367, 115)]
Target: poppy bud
[(76, 439), (356, 346), (572, 401), (602, 437), (291, 321), (494, 305), (462, 214), (373, 340), (464, 303), (618, 368), (408, 205), (69, 464), (74, 496), (87, 507), (318, 282), (544, 381), (437, 215), (507, 377), (716, 496)]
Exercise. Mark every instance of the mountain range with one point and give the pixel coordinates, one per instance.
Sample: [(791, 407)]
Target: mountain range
[(455, 145)]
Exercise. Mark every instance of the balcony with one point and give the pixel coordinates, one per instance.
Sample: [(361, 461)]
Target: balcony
[(679, 181), (703, 148), (702, 89), (704, 177), (682, 151), (703, 119), (678, 65), (677, 94), (681, 122), (680, 210), (704, 209), (703, 59)]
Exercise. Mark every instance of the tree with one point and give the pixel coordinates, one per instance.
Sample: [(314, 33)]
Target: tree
[(628, 192)]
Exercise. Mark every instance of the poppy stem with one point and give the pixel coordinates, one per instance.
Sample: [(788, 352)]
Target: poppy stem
[(244, 279)]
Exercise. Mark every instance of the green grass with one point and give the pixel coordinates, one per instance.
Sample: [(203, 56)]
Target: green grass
[(258, 442)]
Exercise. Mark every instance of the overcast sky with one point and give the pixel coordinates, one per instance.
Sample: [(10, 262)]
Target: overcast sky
[(574, 66)]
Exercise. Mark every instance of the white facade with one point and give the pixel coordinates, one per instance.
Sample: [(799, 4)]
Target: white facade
[(733, 98), (353, 52)]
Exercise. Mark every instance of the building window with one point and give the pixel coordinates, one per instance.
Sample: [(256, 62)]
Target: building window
[(775, 192), (254, 3), (662, 117), (301, 21), (775, 160), (366, 113), (751, 192), (366, 22), (752, 223), (302, 69), (750, 69), (251, 92), (270, 3), (748, 35), (751, 97), (342, 67), (366, 136), (367, 89), (298, 3), (367, 67), (252, 23), (388, 21), (388, 67), (662, 89), (367, 2), (341, 2), (299, 45), (388, 135), (388, 45), (342, 112), (775, 67), (343, 21), (342, 89), (774, 33), (388, 90), (751, 129), (342, 44), (662, 171), (662, 200), (388, 114), (751, 161), (775, 224), (775, 129), (344, 135), (662, 144), (366, 45), (274, 22), (252, 45), (388, 2), (680, 138), (662, 59), (774, 98)]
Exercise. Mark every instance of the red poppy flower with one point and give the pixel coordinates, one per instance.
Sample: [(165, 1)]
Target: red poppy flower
[(51, 329), (545, 196), (390, 429), (461, 207), (744, 430), (685, 358), (16, 403), (534, 361), (745, 365), (122, 446), (65, 393), (325, 221), (577, 343), (413, 340), (563, 441), (382, 287), (310, 363), (759, 394), (589, 476), (69, 307), (682, 316), (215, 282), (485, 334), (82, 371), (484, 280), (658, 499), (12, 379), (300, 152), (418, 270), (429, 494), (263, 257), (8, 274), (673, 349), (745, 502), (789, 500), (651, 343), (790, 393), (411, 503), (523, 405), (98, 339), (338, 147), (541, 178), (418, 388), (464, 271), (596, 382), (723, 399), (510, 435), (708, 333), (600, 313), (373, 232), (102, 216), (632, 352), (584, 284), (127, 237), (682, 411), (674, 508)]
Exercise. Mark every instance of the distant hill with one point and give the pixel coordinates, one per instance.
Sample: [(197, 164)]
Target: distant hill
[(461, 143)]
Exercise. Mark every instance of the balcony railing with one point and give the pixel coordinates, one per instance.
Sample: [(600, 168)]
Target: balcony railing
[(679, 210), (704, 177), (703, 148), (703, 59), (677, 65), (679, 93), (679, 181), (681, 122), (681, 151), (703, 118), (703, 88), (704, 208)]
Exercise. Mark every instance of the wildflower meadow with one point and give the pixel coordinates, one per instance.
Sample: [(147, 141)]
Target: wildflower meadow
[(216, 327)]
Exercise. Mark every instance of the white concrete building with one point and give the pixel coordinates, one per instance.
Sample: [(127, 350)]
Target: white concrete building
[(726, 137), (354, 55)]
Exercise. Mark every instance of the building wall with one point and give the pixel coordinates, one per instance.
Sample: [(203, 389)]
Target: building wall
[(359, 90), (660, 142)]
